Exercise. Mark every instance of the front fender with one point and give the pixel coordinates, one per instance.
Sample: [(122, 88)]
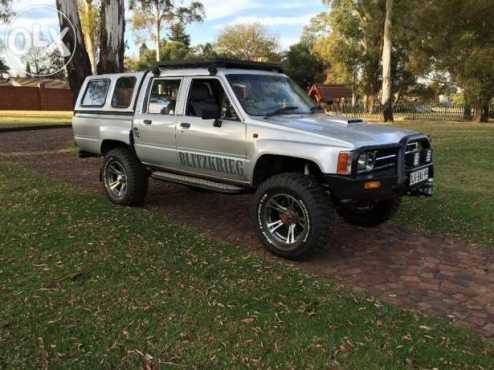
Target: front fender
[(326, 157)]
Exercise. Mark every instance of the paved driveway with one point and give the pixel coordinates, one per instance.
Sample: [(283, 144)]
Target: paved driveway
[(432, 275)]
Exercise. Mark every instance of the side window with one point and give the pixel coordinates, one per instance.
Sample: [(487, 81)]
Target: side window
[(163, 97), (207, 98), (122, 95), (95, 94)]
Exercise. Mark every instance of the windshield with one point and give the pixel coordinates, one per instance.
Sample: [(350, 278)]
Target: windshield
[(265, 95)]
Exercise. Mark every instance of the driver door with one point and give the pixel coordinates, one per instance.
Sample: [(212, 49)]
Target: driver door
[(213, 147), (155, 126)]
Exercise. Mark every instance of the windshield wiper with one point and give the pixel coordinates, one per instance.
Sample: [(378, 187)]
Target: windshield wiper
[(282, 110)]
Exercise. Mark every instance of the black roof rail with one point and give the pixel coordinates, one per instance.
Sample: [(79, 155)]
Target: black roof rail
[(216, 63)]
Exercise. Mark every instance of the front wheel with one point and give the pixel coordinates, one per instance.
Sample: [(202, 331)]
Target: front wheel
[(124, 177), (370, 214), (293, 215)]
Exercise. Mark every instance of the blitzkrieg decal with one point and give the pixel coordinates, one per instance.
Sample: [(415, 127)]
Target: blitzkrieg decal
[(206, 162)]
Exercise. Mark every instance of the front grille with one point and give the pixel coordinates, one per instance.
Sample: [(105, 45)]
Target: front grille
[(418, 153), (386, 158)]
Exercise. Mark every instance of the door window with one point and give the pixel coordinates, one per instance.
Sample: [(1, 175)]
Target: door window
[(163, 97), (207, 98)]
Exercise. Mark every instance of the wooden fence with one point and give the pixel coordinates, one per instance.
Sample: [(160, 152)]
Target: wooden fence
[(35, 98), (412, 111)]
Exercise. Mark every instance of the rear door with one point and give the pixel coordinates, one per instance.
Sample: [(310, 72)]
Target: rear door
[(206, 146), (155, 122)]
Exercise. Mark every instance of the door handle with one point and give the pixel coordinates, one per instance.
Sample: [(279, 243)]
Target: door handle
[(185, 125), (148, 122)]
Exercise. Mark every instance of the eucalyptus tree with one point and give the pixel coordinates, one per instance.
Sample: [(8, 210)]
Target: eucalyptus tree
[(78, 66), (90, 22), (156, 14), (387, 97), (111, 42), (249, 41)]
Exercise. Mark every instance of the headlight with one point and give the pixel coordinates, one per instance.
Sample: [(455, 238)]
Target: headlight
[(366, 161)]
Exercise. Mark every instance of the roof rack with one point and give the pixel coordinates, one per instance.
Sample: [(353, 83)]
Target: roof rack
[(216, 63)]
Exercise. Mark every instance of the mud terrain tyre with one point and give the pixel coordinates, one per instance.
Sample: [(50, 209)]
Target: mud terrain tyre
[(374, 215), (293, 215), (125, 179)]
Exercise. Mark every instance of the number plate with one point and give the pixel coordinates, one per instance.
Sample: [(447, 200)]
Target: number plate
[(419, 176)]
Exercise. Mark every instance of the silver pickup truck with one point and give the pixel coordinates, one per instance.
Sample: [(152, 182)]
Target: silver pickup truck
[(235, 127)]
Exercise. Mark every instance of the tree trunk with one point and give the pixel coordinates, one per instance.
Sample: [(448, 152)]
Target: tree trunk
[(482, 112), (158, 31), (89, 34), (387, 96), (111, 56), (79, 66), (158, 35)]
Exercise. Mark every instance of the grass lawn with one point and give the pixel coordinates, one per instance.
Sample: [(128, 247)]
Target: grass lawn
[(463, 203), (87, 285), (10, 118)]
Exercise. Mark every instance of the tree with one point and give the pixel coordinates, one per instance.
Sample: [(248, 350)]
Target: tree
[(155, 13), (456, 36), (4, 68), (387, 99), (250, 41), (79, 66), (5, 10), (178, 34), (90, 22), (112, 30), (302, 66)]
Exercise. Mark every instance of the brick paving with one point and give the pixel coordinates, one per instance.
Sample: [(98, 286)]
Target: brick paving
[(432, 275)]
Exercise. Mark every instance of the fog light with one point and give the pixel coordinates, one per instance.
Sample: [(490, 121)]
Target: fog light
[(372, 185), (429, 156)]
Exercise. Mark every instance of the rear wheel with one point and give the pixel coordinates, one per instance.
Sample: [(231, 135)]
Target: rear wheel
[(124, 177), (293, 215), (370, 214)]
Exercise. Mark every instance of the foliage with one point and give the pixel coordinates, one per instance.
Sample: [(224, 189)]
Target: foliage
[(350, 40), (169, 51), (303, 66), (39, 63), (249, 41), (4, 68), (153, 14), (87, 285), (178, 34), (5, 10), (456, 36)]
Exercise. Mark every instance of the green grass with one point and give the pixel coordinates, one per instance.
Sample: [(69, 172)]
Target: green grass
[(87, 285), (463, 202), (9, 119)]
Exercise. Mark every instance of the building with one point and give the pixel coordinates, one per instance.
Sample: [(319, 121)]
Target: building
[(329, 95)]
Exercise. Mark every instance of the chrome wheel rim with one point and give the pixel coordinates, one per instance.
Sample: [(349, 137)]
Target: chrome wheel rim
[(115, 179), (286, 220)]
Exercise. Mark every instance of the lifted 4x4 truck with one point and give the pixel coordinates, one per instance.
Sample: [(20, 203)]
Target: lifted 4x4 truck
[(234, 127)]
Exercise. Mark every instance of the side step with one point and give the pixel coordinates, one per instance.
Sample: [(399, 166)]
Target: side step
[(199, 183)]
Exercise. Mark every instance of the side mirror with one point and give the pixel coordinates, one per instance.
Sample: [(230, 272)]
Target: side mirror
[(211, 114)]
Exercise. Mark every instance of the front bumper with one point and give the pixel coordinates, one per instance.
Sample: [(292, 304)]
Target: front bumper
[(393, 182)]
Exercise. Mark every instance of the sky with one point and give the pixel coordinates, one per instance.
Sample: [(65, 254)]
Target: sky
[(284, 19)]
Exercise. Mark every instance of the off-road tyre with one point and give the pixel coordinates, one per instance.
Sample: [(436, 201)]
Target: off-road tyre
[(379, 213), (135, 174), (310, 201)]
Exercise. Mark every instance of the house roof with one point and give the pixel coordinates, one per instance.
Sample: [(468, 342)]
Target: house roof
[(326, 93)]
